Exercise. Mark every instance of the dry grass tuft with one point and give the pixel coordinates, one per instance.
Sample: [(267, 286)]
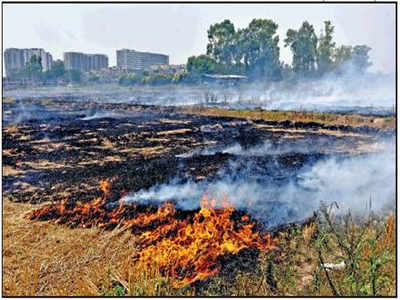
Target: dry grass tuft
[(336, 119)]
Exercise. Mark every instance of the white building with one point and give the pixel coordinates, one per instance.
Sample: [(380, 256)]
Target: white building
[(135, 60), (15, 59)]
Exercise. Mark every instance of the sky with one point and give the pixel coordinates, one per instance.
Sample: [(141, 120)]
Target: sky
[(180, 30)]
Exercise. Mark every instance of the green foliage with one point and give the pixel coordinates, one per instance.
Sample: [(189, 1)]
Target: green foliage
[(253, 50), (33, 69), (130, 79), (57, 71), (365, 248), (326, 48), (221, 37), (178, 77), (341, 56), (154, 79), (360, 57), (116, 291), (158, 79), (58, 68), (74, 76), (203, 64), (303, 44), (258, 49), (351, 59), (34, 66)]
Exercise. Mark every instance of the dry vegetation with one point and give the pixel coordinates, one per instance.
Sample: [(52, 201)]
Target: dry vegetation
[(8, 100), (44, 259), (335, 119), (40, 258)]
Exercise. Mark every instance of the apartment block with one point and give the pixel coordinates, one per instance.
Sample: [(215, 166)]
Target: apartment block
[(85, 62), (136, 60), (16, 59)]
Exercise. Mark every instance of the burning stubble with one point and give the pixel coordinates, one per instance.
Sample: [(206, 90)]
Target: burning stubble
[(187, 225), (186, 247), (186, 229)]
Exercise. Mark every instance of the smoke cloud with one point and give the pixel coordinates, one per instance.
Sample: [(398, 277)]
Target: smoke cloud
[(349, 181), (350, 92)]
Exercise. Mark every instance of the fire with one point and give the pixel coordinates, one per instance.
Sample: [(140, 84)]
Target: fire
[(186, 247)]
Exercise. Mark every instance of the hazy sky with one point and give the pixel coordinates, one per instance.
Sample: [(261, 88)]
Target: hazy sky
[(181, 30)]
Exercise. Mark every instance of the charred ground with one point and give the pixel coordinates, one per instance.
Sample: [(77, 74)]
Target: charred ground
[(53, 149), (58, 150)]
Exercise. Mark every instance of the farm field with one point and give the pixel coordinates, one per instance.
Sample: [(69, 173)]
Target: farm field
[(129, 199)]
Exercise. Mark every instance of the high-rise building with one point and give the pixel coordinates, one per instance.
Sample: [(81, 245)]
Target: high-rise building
[(15, 59), (135, 60), (85, 62), (97, 61)]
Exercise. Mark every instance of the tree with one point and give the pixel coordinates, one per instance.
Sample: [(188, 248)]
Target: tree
[(354, 59), (341, 57), (202, 64), (58, 69), (360, 58), (258, 45), (221, 40), (33, 67), (303, 44), (73, 76), (326, 49)]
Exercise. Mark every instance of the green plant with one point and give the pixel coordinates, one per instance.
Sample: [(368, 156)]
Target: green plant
[(364, 248)]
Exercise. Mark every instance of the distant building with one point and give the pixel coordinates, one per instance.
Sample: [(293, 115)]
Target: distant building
[(16, 59), (85, 62), (135, 60)]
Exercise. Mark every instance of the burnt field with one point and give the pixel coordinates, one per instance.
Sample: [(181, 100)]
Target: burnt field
[(54, 150), (203, 193)]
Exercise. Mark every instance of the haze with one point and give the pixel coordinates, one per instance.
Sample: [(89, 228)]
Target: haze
[(181, 30)]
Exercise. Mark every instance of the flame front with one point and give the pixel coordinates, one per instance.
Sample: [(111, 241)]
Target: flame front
[(184, 247)]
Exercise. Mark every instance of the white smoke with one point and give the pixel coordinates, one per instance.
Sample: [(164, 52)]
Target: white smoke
[(351, 182), (101, 115), (351, 92), (318, 144)]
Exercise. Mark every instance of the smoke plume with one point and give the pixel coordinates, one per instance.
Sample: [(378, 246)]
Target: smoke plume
[(350, 92), (352, 182)]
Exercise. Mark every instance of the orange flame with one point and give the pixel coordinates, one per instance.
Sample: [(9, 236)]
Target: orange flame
[(185, 247)]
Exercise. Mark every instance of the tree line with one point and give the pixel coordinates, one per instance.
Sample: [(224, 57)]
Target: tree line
[(254, 51)]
